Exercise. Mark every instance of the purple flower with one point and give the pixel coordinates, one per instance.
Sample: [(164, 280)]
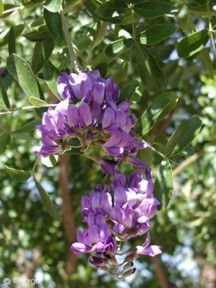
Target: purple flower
[(97, 238), (114, 214), (89, 87), (108, 166), (147, 249)]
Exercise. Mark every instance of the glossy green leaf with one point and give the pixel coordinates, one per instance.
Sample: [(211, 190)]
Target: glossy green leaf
[(172, 99), (53, 5), (99, 34), (54, 24), (127, 91), (163, 189), (205, 10), (192, 43), (149, 70), (3, 95), (183, 136), (42, 52), (26, 128), (40, 34), (47, 201), (50, 73), (153, 9), (157, 110), (208, 62), (119, 46), (12, 41), (4, 142), (121, 72), (18, 175), (24, 75), (1, 7), (156, 34), (17, 31)]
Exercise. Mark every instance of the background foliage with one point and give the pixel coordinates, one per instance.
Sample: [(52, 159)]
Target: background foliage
[(162, 55)]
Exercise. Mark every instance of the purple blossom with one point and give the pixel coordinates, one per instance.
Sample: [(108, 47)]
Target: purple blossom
[(115, 214), (89, 87), (147, 249)]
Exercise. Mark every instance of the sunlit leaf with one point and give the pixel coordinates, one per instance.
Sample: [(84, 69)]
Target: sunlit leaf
[(53, 5), (149, 70), (118, 47), (156, 34), (153, 9), (183, 136), (1, 7), (24, 75), (50, 73), (158, 109), (192, 43), (36, 102)]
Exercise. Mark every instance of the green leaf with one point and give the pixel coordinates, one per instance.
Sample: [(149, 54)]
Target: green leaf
[(149, 70), (3, 94), (18, 175), (1, 7), (47, 201), (119, 46), (208, 62), (40, 34), (121, 72), (50, 73), (27, 127), (12, 41), (156, 34), (42, 52), (204, 10), (183, 136), (53, 5), (21, 71), (36, 102), (17, 31), (153, 9), (192, 43), (54, 24), (127, 91), (172, 99), (157, 110), (163, 189), (4, 142)]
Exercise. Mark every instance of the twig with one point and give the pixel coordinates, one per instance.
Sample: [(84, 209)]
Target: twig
[(159, 272), (187, 162), (68, 217), (27, 108), (73, 59)]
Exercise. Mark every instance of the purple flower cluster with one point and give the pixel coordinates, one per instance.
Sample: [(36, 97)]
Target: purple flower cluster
[(114, 214), (90, 113)]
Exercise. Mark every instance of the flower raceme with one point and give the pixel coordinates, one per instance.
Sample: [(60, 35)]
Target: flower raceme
[(90, 113), (90, 118), (114, 214)]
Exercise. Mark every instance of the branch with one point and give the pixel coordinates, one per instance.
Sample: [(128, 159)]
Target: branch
[(187, 162), (67, 214), (159, 272)]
